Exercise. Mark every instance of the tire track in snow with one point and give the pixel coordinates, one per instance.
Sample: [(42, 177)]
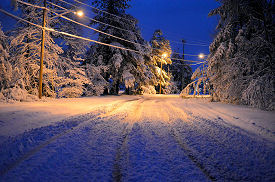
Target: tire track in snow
[(133, 115), (84, 119), (224, 149), (117, 169), (191, 155), (154, 155), (225, 117)]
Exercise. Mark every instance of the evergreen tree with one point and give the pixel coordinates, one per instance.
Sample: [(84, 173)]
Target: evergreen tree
[(5, 66), (62, 73), (123, 67), (25, 51), (74, 50), (161, 53), (241, 63)]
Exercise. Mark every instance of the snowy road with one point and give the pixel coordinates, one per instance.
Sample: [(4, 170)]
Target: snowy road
[(145, 138)]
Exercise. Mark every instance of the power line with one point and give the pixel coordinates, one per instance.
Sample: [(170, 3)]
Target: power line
[(103, 11), (29, 4), (186, 60), (192, 44), (65, 33), (94, 19), (100, 32), (177, 42), (79, 37), (197, 63), (92, 11), (76, 22)]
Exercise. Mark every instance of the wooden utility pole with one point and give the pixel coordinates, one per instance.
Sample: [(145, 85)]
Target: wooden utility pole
[(183, 42), (160, 77), (42, 50)]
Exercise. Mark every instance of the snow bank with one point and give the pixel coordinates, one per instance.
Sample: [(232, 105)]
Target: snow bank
[(15, 118), (16, 94)]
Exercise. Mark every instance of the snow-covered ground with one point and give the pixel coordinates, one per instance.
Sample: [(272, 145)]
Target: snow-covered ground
[(135, 138)]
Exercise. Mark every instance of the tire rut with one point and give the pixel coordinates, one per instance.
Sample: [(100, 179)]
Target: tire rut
[(188, 150), (11, 165), (117, 169), (191, 155), (220, 138), (122, 148)]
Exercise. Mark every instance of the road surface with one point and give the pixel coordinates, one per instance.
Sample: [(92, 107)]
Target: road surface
[(143, 138)]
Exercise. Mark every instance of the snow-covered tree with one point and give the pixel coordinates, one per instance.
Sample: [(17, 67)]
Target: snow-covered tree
[(9, 84), (123, 67), (161, 53), (5, 66), (241, 63), (25, 51), (63, 74), (74, 50)]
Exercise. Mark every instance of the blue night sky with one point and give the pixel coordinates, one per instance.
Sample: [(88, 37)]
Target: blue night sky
[(177, 19)]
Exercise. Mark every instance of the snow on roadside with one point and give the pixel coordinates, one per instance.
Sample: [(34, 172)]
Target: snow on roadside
[(253, 120), (16, 118)]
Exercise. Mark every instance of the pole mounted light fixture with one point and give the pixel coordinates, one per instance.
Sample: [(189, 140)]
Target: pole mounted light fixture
[(201, 56), (164, 55), (79, 13)]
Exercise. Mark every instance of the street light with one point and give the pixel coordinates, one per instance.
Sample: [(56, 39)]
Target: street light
[(79, 13), (163, 56), (201, 56)]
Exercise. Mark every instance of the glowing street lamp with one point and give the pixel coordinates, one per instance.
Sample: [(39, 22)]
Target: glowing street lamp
[(79, 13), (201, 55), (164, 55)]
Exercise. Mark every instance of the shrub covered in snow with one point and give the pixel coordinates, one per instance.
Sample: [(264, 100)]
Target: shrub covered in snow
[(149, 89)]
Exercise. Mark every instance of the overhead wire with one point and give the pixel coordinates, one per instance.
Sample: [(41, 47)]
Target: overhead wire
[(29, 4), (186, 60), (65, 33), (102, 11), (94, 30), (197, 63), (108, 33), (88, 26), (193, 44), (92, 11), (93, 19)]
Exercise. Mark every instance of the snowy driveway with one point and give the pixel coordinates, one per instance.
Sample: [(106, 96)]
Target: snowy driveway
[(141, 138)]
